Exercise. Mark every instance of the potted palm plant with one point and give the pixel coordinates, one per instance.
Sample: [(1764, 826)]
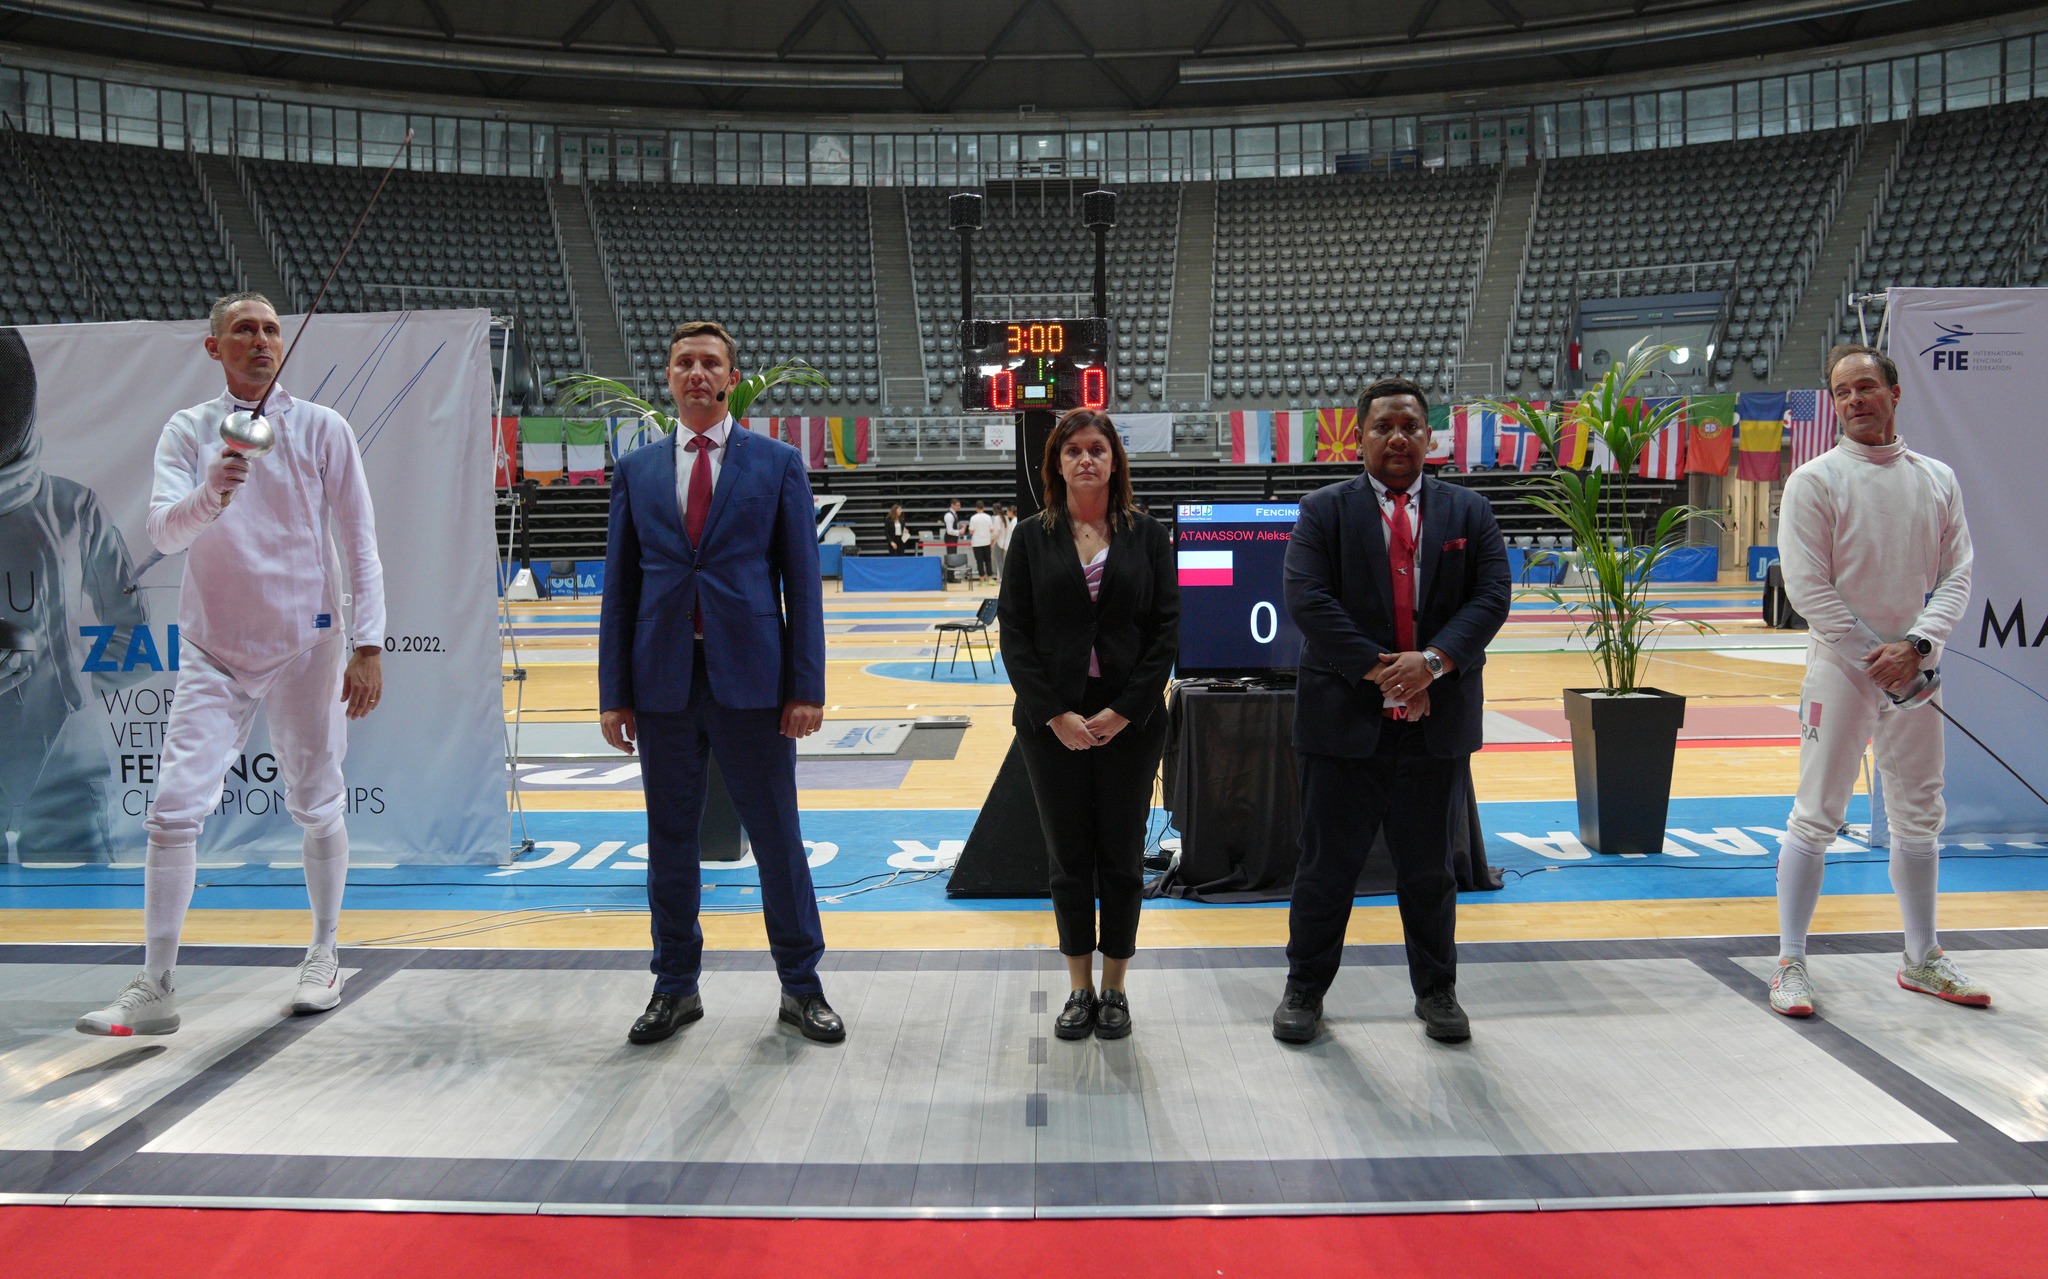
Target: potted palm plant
[(610, 397), (1624, 733)]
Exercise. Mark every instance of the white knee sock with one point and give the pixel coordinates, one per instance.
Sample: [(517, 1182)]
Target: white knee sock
[(1915, 867), (1800, 865), (326, 856), (168, 875)]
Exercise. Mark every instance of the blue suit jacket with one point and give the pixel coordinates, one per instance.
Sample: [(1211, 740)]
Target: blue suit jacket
[(756, 576), (1340, 592)]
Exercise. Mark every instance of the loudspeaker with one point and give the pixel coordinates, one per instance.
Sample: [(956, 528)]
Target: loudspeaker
[(1778, 611), (1005, 854)]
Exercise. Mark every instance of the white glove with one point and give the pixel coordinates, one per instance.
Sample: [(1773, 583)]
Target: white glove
[(225, 474), (14, 669)]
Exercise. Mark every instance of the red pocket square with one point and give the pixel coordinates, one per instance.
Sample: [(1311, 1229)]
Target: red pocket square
[(1455, 544)]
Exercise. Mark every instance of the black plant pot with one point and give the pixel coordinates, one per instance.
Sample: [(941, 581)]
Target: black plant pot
[(1622, 751)]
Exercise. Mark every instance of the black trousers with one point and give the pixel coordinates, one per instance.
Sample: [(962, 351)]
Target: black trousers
[(984, 560), (1344, 802), (1094, 807)]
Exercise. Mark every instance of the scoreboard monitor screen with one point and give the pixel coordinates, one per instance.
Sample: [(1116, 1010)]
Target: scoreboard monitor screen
[(1233, 619), (1012, 365)]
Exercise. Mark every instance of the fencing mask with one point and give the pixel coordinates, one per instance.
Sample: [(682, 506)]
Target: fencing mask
[(17, 396)]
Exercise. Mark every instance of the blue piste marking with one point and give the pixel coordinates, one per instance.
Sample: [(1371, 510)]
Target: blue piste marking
[(585, 859)]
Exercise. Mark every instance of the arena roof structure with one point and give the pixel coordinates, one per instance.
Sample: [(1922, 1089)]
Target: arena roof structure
[(943, 57)]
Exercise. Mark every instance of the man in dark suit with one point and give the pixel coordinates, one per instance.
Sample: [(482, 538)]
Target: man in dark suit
[(712, 642), (1396, 607)]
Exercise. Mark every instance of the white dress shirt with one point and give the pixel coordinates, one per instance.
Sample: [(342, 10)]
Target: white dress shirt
[(686, 462)]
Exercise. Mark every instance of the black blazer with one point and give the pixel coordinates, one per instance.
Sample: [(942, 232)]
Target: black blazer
[(1048, 623), (1339, 591)]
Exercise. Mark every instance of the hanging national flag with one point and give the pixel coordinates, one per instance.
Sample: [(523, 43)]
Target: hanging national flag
[(1570, 453), (1518, 445), (507, 449), (1336, 435), (584, 444), (1473, 429), (1811, 416), (1442, 441), (1710, 434), (1761, 434), (540, 448), (1251, 437), (1293, 436), (849, 440), (1205, 568), (1663, 456)]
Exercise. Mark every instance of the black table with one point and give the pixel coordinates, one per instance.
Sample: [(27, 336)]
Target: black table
[(1233, 794)]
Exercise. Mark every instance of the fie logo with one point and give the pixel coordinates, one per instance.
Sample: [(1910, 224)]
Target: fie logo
[(1949, 353)]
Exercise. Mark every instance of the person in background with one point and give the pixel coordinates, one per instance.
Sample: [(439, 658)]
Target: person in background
[(1090, 612), (1006, 520), (981, 535), (897, 531)]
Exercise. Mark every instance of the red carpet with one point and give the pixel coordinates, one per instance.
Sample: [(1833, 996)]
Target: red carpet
[(1981, 1239)]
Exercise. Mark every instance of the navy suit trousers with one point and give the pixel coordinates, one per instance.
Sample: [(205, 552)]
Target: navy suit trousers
[(759, 765)]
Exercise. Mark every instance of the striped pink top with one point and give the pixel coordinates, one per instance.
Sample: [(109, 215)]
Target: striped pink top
[(1092, 571)]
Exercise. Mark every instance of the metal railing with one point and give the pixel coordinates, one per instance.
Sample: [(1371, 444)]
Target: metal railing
[(568, 278), (220, 223), (1507, 343), (1846, 301), (1780, 323)]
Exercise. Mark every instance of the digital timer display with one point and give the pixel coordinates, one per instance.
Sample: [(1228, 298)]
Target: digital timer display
[(1010, 365)]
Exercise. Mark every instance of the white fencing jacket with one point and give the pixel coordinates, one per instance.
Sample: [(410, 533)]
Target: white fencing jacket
[(259, 585), (1874, 547)]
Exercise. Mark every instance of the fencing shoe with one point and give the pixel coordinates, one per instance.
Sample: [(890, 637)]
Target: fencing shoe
[(147, 1007)]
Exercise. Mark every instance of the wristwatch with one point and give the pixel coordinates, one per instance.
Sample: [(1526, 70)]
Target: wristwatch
[(1436, 664), (1921, 644)]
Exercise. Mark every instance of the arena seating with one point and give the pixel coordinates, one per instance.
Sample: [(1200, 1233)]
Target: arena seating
[(440, 236), (790, 270), (134, 220), (1042, 254), (1759, 203), (1323, 283), (1966, 205)]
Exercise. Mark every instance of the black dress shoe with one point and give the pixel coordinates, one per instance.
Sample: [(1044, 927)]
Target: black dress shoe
[(1077, 1019), (665, 1015), (814, 1017), (1112, 1015), (1299, 1015), (1441, 1017)]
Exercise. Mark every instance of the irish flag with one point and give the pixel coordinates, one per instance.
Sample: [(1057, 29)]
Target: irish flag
[(1204, 568)]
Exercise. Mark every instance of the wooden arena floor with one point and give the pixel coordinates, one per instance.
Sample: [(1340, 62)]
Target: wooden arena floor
[(1742, 676)]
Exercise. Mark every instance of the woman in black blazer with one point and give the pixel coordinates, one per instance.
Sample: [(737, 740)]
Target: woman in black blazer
[(898, 531), (1090, 615)]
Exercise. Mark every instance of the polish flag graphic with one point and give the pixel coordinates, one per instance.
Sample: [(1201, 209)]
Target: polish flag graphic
[(1205, 568)]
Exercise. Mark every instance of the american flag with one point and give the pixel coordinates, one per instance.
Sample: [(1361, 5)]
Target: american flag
[(1812, 419)]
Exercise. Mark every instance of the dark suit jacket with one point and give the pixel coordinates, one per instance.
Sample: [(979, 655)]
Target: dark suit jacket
[(1339, 591), (1048, 623), (756, 576)]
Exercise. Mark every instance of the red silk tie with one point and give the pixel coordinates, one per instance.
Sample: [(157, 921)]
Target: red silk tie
[(1401, 558), (699, 510)]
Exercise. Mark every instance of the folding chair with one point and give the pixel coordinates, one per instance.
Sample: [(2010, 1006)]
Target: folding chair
[(966, 628)]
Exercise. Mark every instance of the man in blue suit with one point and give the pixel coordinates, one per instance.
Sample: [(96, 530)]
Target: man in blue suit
[(1398, 583), (712, 642)]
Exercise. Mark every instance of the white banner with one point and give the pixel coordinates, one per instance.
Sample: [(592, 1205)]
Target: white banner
[(998, 434), (1973, 366), (1153, 432), (79, 737)]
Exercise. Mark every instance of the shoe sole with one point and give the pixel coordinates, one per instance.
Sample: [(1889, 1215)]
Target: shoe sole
[(1967, 1001), (1447, 1036), (1072, 1033), (635, 1037), (1106, 1032), (325, 1001), (1796, 1010), (86, 1026), (1295, 1036), (816, 1037)]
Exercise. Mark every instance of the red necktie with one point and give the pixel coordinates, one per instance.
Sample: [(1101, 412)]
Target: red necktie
[(699, 510), (1401, 558)]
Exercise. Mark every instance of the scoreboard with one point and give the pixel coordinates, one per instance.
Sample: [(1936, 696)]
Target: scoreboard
[(1008, 366)]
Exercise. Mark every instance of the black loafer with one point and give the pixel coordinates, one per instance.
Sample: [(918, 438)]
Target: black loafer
[(1442, 1019), (1112, 1015), (1299, 1015), (814, 1017), (1077, 1019), (665, 1015)]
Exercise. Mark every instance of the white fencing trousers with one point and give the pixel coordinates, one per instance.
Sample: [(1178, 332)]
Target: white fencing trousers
[(1840, 712), (211, 715)]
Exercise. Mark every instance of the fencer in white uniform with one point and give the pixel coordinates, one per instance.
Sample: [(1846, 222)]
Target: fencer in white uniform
[(1876, 557), (264, 621)]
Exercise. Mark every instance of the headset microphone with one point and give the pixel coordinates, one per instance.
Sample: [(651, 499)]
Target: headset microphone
[(721, 397)]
